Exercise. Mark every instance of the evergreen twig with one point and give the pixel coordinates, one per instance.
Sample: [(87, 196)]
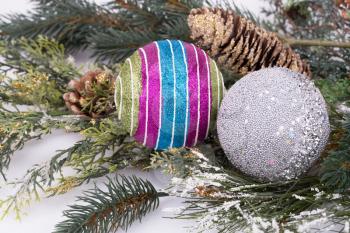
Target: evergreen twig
[(126, 200)]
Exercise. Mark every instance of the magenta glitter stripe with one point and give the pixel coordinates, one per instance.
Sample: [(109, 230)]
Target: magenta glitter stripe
[(153, 92), (193, 89), (140, 132), (204, 95)]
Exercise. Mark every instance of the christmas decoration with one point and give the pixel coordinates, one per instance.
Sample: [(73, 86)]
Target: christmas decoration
[(90, 94), (269, 111), (35, 72), (167, 94), (238, 44)]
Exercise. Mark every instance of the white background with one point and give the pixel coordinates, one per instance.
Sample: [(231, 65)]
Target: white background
[(42, 216)]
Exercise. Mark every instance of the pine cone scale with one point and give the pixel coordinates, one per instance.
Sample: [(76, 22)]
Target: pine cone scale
[(276, 52), (261, 54), (252, 51), (233, 39), (246, 47)]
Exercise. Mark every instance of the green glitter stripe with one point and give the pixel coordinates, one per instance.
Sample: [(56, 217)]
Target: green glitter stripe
[(117, 93), (127, 94), (214, 95), (223, 88)]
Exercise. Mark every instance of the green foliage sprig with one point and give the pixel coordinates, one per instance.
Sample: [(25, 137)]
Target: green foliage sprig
[(124, 201)]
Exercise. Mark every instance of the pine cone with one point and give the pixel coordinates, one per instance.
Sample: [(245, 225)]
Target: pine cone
[(239, 45), (91, 95)]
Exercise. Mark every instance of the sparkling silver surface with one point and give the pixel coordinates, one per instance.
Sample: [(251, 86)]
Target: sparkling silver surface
[(273, 124)]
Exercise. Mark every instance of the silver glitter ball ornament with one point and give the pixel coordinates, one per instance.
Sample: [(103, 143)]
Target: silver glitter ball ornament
[(273, 124)]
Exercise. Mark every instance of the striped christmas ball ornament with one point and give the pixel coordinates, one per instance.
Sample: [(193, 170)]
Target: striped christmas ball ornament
[(167, 94)]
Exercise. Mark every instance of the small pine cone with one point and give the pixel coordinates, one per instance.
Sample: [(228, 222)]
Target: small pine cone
[(204, 191), (345, 14), (343, 3), (344, 8), (91, 95), (239, 45)]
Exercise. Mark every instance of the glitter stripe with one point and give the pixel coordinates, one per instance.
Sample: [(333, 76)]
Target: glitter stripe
[(116, 86), (218, 85), (129, 81), (146, 87), (194, 82), (215, 93), (141, 132), (167, 95), (209, 93), (121, 98), (198, 97), (180, 90), (187, 94), (174, 80), (132, 97), (153, 93), (203, 96), (160, 96)]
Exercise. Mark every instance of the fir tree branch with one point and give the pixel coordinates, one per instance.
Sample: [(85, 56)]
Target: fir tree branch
[(336, 167), (113, 46), (225, 201), (80, 24), (125, 201), (69, 22), (335, 170)]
